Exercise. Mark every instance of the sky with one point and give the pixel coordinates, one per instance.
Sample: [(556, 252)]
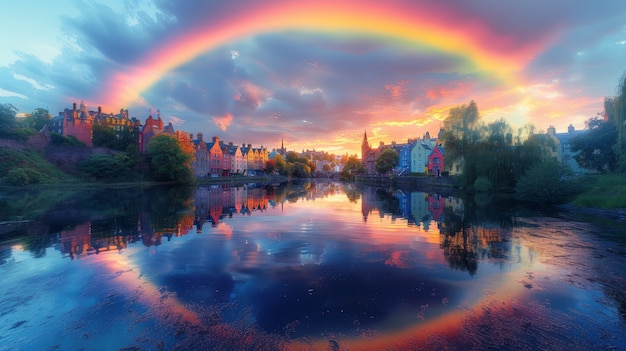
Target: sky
[(315, 74)]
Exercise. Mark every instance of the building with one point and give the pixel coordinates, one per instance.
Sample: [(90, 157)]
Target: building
[(75, 122), (563, 152), (151, 128), (436, 161)]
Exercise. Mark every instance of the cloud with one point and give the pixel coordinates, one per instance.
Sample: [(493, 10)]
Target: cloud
[(342, 83), (223, 122)]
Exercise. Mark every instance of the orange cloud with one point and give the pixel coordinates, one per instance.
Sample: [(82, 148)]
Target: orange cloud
[(223, 122)]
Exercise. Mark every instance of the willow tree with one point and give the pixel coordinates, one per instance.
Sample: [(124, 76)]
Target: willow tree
[(619, 110), (615, 113)]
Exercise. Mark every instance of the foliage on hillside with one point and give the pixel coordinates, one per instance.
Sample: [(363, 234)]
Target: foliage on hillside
[(107, 168), (23, 167), (603, 191)]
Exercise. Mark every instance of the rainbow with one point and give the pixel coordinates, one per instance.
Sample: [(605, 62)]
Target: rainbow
[(407, 23)]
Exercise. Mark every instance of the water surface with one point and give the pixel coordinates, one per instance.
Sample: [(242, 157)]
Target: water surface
[(308, 266)]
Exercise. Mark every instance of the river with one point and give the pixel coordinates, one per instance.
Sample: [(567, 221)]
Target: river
[(306, 266)]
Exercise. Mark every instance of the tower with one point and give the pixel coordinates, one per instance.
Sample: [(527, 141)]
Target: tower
[(365, 149)]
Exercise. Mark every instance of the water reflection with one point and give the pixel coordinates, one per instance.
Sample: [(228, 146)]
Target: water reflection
[(360, 267)]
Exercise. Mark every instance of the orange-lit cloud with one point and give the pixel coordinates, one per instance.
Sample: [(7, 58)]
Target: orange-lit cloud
[(223, 122)]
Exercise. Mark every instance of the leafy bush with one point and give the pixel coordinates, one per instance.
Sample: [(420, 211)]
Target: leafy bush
[(482, 184), (60, 140), (17, 176), (546, 182), (104, 167)]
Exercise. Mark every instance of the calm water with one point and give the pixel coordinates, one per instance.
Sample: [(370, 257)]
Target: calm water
[(312, 266)]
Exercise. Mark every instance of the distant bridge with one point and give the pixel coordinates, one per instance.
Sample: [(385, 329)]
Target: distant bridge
[(329, 175)]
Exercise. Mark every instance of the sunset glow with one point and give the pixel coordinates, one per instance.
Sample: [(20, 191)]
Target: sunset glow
[(317, 74)]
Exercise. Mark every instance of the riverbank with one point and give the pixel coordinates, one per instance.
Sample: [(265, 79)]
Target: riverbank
[(240, 180)]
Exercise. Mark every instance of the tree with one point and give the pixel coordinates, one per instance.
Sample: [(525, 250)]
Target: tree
[(386, 161), (168, 161), (7, 117), (298, 166), (281, 165), (352, 167), (270, 166), (462, 131), (104, 167), (596, 147), (615, 112), (106, 136), (38, 119), (546, 182)]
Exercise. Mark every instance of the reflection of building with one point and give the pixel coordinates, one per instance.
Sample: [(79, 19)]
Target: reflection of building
[(78, 241), (213, 203)]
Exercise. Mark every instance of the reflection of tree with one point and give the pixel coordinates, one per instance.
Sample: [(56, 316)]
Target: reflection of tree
[(458, 243), (169, 210), (352, 192), (469, 232), (474, 231)]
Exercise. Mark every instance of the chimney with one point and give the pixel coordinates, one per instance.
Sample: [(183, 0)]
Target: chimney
[(200, 137), (570, 129)]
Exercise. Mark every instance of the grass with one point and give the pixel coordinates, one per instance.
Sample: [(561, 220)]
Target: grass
[(33, 161), (603, 191)]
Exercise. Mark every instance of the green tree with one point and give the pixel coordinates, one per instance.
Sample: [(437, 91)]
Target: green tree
[(169, 161), (386, 161), (298, 166), (546, 182), (38, 119), (615, 112), (105, 167), (462, 132), (103, 135), (596, 148), (281, 165), (7, 117), (351, 168), (107, 136)]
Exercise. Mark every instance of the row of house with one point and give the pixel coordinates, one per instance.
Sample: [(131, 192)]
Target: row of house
[(425, 155), (218, 159), (212, 159)]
